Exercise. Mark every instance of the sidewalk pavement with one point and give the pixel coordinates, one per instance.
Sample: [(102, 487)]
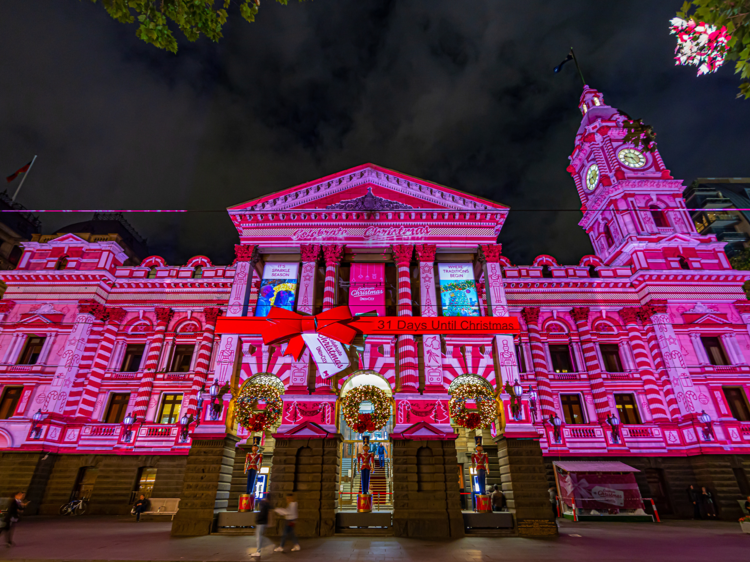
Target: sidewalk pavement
[(122, 539)]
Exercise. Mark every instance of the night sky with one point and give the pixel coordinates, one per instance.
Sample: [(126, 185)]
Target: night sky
[(460, 93)]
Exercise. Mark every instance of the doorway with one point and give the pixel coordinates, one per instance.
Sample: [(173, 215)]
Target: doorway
[(658, 490)]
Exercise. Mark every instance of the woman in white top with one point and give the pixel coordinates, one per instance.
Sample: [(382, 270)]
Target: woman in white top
[(290, 514)]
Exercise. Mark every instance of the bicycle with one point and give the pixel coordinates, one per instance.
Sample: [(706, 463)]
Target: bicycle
[(74, 507)]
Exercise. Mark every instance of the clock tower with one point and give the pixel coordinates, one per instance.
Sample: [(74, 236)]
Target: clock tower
[(633, 209)]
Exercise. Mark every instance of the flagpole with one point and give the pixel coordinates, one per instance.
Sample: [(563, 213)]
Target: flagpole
[(575, 60), (23, 179)]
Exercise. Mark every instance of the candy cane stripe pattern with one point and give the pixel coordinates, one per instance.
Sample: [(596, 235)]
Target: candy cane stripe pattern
[(407, 347), (547, 402), (601, 402), (163, 316)]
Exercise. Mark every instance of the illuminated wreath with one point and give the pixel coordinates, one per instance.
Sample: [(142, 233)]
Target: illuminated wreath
[(248, 414), (366, 422), (486, 411)]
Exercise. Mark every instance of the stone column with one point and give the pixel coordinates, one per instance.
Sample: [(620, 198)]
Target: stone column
[(679, 376), (163, 316), (601, 401), (655, 352), (539, 360), (426, 496), (306, 305), (65, 374), (658, 409), (332, 255), (700, 351), (406, 345), (203, 359), (205, 489), (497, 305), (431, 349), (113, 317)]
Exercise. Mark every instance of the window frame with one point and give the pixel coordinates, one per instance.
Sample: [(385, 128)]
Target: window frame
[(623, 408), (564, 407), (552, 356), (616, 353), (174, 416), (710, 357), (520, 358), (111, 404), (13, 401), (22, 359), (125, 358), (744, 401), (176, 353)]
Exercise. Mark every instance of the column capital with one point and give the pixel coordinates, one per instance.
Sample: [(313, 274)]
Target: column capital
[(246, 252), (656, 306), (426, 252), (310, 252), (96, 310), (580, 314), (530, 314), (743, 306), (163, 314), (490, 253), (333, 254), (211, 314), (629, 314), (402, 254), (6, 305), (115, 315)]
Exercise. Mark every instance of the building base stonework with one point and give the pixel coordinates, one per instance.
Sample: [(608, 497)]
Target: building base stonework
[(426, 496), (525, 485), (308, 468), (205, 489)]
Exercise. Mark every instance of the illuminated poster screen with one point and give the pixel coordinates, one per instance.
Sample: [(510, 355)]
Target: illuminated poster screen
[(458, 292), (367, 288), (278, 287)]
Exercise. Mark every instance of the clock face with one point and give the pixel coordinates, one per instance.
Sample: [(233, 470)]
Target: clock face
[(632, 158), (592, 177)]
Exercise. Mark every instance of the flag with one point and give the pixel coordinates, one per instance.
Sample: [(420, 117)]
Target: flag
[(558, 68), (21, 170)]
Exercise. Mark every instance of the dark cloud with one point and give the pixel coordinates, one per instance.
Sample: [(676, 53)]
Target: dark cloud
[(461, 93)]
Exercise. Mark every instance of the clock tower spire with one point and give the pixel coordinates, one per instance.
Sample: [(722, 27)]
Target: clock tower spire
[(633, 209)]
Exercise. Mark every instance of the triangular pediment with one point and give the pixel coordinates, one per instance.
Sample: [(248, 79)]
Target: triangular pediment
[(35, 319), (710, 319), (67, 239), (307, 429), (423, 430), (369, 188)]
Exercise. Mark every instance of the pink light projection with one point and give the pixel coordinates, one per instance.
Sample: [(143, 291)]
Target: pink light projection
[(700, 44)]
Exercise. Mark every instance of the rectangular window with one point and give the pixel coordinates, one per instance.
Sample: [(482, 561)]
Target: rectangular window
[(118, 404), (170, 409), (737, 403), (31, 351), (611, 357), (627, 409), (561, 361), (183, 356), (572, 410), (133, 356), (9, 401), (145, 483), (715, 351), (520, 359)]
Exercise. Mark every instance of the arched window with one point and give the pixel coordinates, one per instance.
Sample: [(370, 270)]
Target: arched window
[(152, 273), (546, 271), (62, 263), (660, 219), (608, 236), (593, 273), (197, 272), (684, 264)]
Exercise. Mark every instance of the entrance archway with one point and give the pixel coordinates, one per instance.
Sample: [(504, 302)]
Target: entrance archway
[(381, 480)]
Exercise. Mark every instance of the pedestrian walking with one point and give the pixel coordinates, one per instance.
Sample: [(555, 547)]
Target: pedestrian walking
[(694, 498), (498, 499), (290, 514), (12, 516), (707, 503), (261, 522), (140, 506), (381, 455), (747, 505), (552, 491)]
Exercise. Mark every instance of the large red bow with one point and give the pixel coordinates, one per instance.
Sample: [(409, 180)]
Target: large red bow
[(284, 323)]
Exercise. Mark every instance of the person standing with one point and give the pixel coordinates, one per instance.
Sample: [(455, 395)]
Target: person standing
[(498, 499), (13, 515), (140, 506), (261, 522), (707, 503), (381, 455), (694, 498), (290, 514), (747, 505)]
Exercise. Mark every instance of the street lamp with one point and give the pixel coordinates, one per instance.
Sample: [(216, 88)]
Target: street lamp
[(36, 428), (215, 404), (533, 396), (556, 423), (705, 419), (199, 405), (614, 423), (184, 426), (516, 401), (128, 424)]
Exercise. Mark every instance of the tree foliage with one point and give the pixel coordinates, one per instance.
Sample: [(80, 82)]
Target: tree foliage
[(741, 260), (735, 15), (194, 18)]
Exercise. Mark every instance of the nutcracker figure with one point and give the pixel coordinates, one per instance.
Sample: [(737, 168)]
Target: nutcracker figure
[(253, 460), (480, 462), (365, 461)]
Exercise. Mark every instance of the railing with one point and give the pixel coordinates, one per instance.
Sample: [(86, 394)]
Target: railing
[(620, 376), (745, 429), (159, 432), (104, 430), (639, 431), (582, 432), (124, 375), (177, 376), (565, 376)]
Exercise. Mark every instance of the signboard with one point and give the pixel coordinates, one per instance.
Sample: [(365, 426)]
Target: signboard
[(367, 288), (278, 287), (458, 291), (600, 490)]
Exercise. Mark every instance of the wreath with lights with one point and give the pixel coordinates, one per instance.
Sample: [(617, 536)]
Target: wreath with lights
[(248, 414), (361, 423), (486, 411)]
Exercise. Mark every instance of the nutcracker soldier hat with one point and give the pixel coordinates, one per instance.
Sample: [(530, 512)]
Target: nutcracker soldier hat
[(365, 439), (256, 441), (478, 441)]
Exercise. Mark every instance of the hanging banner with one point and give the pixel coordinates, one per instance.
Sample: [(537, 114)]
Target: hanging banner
[(367, 288), (278, 288), (458, 291)]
